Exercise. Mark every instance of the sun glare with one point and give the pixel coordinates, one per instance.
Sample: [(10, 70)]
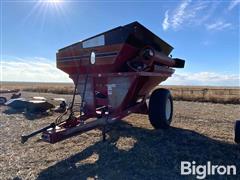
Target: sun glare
[(45, 8)]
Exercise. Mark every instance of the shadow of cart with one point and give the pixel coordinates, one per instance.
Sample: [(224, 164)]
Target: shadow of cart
[(155, 155)]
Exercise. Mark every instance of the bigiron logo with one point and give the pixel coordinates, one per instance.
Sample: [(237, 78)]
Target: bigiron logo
[(202, 171)]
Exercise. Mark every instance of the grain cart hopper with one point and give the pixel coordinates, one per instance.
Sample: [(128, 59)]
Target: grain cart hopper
[(114, 72)]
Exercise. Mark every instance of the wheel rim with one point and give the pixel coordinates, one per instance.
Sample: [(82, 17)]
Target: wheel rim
[(168, 109)]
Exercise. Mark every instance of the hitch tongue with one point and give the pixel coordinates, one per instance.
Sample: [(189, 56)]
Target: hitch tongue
[(24, 138)]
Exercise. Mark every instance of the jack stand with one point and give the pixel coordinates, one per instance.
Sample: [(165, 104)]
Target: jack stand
[(104, 133)]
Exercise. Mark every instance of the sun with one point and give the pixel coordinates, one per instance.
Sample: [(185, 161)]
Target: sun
[(54, 1), (50, 1)]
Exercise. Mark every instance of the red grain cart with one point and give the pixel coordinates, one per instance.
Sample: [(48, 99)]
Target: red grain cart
[(114, 72)]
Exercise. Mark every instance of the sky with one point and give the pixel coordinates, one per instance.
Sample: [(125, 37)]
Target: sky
[(204, 33)]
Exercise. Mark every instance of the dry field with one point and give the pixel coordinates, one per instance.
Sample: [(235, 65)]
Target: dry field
[(187, 93), (200, 132), (206, 94), (59, 88)]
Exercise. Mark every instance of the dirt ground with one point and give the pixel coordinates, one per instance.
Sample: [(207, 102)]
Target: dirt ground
[(200, 132)]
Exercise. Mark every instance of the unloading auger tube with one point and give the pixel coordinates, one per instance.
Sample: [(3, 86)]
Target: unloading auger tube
[(148, 57)]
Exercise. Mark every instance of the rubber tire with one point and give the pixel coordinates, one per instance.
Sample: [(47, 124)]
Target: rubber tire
[(157, 109), (3, 100), (237, 132)]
